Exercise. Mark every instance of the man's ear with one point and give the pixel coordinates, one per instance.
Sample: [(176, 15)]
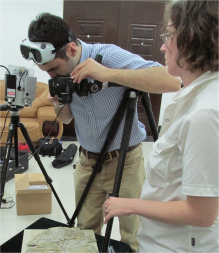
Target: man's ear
[(71, 50)]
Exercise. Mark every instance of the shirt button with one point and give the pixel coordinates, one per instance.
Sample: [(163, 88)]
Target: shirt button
[(167, 120)]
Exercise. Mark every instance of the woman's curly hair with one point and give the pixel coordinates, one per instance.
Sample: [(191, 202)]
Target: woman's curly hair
[(196, 27)]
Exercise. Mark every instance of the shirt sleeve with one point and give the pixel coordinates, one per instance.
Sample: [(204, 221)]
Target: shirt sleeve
[(116, 57), (199, 148)]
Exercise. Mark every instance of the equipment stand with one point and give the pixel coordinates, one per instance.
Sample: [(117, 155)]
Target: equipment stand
[(122, 155), (13, 133), (128, 104)]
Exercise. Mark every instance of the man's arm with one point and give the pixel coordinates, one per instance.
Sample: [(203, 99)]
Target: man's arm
[(151, 80), (65, 114)]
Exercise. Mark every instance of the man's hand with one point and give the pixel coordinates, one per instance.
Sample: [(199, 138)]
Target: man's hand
[(53, 100), (90, 69), (64, 112)]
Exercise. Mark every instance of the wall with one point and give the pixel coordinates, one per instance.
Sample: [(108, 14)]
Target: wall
[(15, 17)]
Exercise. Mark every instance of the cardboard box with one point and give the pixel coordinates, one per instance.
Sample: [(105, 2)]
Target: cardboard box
[(32, 201)]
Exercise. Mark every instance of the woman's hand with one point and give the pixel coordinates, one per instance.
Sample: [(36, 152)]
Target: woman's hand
[(89, 69), (116, 207)]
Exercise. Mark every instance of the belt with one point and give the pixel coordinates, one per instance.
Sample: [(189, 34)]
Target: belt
[(108, 156)]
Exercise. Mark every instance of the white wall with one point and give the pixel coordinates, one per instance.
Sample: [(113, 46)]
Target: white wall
[(15, 17)]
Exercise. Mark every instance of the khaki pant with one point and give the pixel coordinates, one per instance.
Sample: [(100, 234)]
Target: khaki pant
[(91, 214)]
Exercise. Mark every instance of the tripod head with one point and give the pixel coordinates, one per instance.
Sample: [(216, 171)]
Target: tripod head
[(12, 108)]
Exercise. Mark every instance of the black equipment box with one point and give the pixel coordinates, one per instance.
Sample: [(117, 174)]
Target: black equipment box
[(22, 163)]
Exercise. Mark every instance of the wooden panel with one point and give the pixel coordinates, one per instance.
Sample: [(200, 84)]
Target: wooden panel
[(92, 31), (142, 40), (93, 21), (139, 31), (140, 23)]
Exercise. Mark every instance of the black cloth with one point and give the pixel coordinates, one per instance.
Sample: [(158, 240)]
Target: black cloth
[(15, 243), (65, 157)]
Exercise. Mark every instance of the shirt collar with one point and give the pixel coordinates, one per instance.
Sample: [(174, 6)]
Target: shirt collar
[(85, 51), (207, 76)]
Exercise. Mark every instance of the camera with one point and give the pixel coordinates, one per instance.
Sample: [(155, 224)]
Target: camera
[(64, 87), (20, 86)]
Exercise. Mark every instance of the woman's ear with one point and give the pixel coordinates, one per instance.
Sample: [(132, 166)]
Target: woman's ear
[(71, 50)]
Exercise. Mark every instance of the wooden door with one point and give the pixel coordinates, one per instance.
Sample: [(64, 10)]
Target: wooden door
[(93, 21), (139, 30)]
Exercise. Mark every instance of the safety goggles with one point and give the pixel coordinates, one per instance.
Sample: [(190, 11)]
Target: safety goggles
[(40, 52)]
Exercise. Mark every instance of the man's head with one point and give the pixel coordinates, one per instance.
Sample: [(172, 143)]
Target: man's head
[(52, 29)]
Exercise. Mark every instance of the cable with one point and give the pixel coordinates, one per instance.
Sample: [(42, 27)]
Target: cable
[(39, 146), (19, 85), (6, 69), (4, 125), (6, 201), (47, 135)]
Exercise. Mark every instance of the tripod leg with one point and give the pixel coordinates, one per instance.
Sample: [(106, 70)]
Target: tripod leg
[(16, 145), (122, 155), (37, 158), (97, 167), (146, 102), (6, 159)]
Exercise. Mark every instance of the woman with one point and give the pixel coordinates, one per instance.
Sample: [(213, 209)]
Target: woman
[(178, 207)]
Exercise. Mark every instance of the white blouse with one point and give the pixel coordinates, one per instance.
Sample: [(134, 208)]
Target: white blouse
[(184, 161)]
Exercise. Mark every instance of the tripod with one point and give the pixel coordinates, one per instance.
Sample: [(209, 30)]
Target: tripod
[(128, 104), (13, 133)]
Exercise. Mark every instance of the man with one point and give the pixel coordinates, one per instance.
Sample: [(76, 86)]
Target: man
[(93, 115)]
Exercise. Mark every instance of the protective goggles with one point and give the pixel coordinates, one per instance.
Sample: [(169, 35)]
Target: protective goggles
[(40, 52)]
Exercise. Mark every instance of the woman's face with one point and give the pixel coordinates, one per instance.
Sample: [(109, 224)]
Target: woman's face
[(169, 48)]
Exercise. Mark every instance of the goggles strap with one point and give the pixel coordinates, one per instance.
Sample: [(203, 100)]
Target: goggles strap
[(62, 45)]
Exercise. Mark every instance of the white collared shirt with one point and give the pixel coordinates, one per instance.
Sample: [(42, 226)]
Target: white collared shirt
[(184, 161)]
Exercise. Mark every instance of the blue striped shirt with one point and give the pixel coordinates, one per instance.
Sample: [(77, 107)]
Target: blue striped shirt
[(93, 114)]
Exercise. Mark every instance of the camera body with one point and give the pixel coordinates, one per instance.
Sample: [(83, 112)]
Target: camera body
[(64, 87), (20, 86)]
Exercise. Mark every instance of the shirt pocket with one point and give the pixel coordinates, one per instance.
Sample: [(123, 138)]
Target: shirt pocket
[(201, 239), (160, 162)]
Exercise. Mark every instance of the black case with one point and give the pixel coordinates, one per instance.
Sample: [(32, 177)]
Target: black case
[(46, 149), (22, 163)]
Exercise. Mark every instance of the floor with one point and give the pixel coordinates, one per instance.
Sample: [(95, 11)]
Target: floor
[(63, 183)]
